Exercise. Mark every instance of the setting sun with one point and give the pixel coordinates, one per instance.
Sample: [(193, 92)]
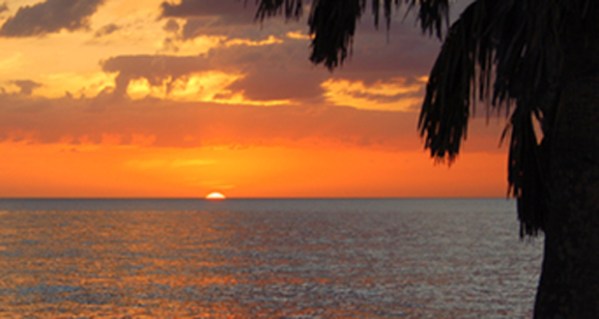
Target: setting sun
[(215, 196)]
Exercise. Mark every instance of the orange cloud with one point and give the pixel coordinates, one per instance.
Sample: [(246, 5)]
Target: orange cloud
[(298, 35), (396, 95), (211, 86), (202, 86), (270, 40)]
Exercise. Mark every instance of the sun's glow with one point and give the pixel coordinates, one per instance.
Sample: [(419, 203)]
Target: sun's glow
[(215, 196)]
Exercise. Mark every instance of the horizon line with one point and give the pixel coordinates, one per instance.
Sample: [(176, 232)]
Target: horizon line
[(248, 198)]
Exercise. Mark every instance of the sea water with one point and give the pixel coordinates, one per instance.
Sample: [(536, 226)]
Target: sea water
[(380, 258)]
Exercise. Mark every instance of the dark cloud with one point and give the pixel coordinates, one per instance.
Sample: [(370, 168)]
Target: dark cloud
[(169, 124), (195, 27), (272, 72), (226, 9), (234, 18), (3, 7), (403, 46), (280, 82), (279, 71), (50, 16), (26, 87), (107, 30), (154, 68), (199, 124), (172, 26)]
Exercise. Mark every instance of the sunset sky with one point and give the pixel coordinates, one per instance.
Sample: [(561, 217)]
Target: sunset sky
[(123, 98)]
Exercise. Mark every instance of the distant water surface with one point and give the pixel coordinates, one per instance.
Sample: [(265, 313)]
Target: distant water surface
[(265, 259)]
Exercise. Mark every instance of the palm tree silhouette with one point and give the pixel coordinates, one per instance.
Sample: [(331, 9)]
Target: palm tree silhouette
[(537, 60)]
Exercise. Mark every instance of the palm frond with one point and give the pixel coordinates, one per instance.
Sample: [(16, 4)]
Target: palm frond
[(270, 8), (333, 22), (503, 53), (526, 173), (432, 14)]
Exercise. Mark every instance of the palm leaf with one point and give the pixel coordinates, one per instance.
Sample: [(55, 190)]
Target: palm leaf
[(504, 54), (333, 22), (270, 8)]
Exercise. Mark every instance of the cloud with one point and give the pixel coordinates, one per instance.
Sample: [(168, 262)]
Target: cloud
[(281, 82), (233, 18), (298, 35), (279, 70), (204, 86), (50, 16), (3, 7), (235, 26), (26, 87), (282, 71), (155, 123), (190, 78), (209, 8), (397, 94), (107, 30), (261, 73), (172, 26), (154, 68), (77, 85), (274, 72), (185, 125)]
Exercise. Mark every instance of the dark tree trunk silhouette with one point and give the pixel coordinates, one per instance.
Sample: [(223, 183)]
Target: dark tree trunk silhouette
[(569, 285)]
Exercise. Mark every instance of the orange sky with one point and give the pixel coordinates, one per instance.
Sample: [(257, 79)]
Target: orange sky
[(107, 98)]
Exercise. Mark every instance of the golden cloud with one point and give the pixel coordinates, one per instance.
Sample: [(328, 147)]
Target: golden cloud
[(210, 86), (298, 35), (399, 94), (77, 85)]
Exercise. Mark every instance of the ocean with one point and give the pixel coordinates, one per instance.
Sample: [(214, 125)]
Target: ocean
[(300, 259)]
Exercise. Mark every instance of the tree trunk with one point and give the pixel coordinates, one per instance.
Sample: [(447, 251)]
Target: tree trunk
[(569, 284)]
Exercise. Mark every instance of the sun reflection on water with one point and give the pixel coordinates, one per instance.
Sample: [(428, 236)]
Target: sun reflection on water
[(197, 264)]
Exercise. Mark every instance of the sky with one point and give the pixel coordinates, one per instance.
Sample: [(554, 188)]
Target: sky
[(115, 98)]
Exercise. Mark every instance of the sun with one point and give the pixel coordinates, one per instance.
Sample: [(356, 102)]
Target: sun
[(215, 196)]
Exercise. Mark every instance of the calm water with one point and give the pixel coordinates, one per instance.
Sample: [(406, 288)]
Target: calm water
[(264, 259)]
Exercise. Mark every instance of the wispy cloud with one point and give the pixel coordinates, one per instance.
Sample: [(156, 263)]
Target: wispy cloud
[(398, 94), (107, 30)]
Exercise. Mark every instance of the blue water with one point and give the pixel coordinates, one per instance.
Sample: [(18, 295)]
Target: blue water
[(380, 258)]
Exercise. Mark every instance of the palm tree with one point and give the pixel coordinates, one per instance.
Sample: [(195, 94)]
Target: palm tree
[(537, 60)]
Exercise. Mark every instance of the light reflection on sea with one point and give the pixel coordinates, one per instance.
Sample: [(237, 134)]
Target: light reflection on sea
[(264, 259)]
